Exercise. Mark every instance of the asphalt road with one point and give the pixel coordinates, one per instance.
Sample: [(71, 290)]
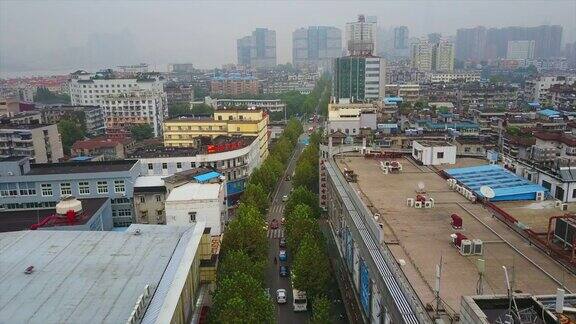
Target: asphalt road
[(284, 312)]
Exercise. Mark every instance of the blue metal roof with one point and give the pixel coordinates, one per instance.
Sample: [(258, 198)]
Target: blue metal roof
[(506, 185), (207, 176), (82, 158), (548, 113)]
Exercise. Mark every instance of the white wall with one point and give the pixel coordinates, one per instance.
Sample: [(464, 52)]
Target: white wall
[(428, 155), (212, 212)]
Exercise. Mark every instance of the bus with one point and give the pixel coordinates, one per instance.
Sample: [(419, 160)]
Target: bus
[(299, 300)]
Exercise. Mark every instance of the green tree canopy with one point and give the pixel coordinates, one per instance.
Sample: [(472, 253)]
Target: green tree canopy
[(239, 298), (311, 268), (141, 132), (45, 96), (302, 195), (305, 175), (70, 132), (179, 109), (300, 223), (256, 196), (238, 261), (202, 109), (321, 311), (246, 232)]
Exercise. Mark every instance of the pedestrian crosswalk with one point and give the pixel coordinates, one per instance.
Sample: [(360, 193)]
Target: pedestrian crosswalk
[(276, 233), (277, 209)]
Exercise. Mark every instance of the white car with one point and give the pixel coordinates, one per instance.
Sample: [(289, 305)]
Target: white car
[(285, 198), (281, 296)]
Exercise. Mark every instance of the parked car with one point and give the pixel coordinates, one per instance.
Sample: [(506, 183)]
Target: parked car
[(285, 198), (284, 271), (281, 296), (274, 224), (283, 255), (282, 243)]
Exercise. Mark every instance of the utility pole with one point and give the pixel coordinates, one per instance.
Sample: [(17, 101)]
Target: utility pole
[(437, 287)]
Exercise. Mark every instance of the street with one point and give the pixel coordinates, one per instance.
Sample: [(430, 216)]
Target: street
[(284, 312)]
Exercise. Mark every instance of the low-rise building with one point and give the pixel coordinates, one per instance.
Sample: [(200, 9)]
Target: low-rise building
[(146, 274), (270, 105), (349, 118), (184, 131), (39, 142), (109, 149), (179, 94), (537, 89), (466, 76), (25, 186), (408, 92), (434, 153), (235, 85), (92, 117)]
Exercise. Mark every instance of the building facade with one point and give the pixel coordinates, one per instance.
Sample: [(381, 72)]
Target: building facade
[(91, 116), (39, 142), (361, 36), (235, 85), (315, 47), (108, 149), (36, 186), (359, 78), (270, 105), (257, 50), (520, 50), (443, 56)]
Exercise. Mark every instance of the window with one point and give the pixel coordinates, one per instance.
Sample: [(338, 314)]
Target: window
[(142, 199), (65, 188), (467, 149), (164, 166), (159, 212), (178, 165), (46, 189), (439, 155), (8, 189), (574, 193), (158, 198), (83, 188), (102, 187), (119, 186), (192, 164), (150, 166), (27, 189), (219, 117), (192, 216)]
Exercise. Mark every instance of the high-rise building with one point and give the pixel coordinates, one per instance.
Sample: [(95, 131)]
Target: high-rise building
[(427, 56), (443, 56), (434, 38), (361, 36), (358, 78), (520, 50), (547, 40), (401, 37), (421, 55), (471, 44), (315, 46), (258, 50)]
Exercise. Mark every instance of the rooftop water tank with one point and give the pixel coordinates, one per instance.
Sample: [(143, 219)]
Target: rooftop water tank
[(68, 203)]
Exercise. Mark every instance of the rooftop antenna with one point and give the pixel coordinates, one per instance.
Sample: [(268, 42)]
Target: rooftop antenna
[(511, 300), (481, 266), (437, 287)]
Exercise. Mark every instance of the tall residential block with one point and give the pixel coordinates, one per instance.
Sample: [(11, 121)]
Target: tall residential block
[(427, 56), (361, 36), (471, 44), (358, 78), (257, 50), (421, 55), (520, 50), (443, 58), (315, 46), (401, 37), (39, 142)]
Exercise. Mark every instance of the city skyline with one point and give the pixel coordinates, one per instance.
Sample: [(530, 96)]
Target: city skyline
[(193, 35)]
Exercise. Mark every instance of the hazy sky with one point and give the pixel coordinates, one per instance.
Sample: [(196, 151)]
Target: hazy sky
[(204, 32)]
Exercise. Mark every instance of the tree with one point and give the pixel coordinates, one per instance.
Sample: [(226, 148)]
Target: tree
[(302, 195), (141, 132), (237, 261), (300, 223), (247, 232), (179, 109), (321, 310), (202, 109), (304, 175), (239, 298), (70, 132), (311, 268), (43, 95), (256, 196)]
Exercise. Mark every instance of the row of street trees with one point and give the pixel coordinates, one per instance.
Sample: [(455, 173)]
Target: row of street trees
[(240, 295), (310, 266)]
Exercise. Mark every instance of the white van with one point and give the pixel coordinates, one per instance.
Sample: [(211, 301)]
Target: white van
[(281, 296)]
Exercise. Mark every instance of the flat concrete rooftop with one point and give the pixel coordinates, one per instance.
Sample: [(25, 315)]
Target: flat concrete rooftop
[(422, 236), (84, 277)]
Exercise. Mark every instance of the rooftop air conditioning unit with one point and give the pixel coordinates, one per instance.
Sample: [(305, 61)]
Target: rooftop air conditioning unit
[(540, 195), (558, 203), (385, 170), (564, 207), (410, 202), (418, 204), (432, 202), (477, 246), (466, 247), (427, 204)]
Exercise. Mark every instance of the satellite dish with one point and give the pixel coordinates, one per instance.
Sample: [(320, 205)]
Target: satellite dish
[(487, 192), (421, 186)]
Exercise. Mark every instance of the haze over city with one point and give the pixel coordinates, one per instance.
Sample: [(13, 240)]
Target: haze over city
[(54, 34)]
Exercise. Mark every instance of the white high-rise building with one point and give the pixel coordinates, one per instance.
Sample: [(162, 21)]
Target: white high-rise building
[(316, 46), (361, 36), (443, 54), (421, 53), (520, 50)]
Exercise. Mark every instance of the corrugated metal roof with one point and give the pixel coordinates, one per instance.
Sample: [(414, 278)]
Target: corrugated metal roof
[(207, 176)]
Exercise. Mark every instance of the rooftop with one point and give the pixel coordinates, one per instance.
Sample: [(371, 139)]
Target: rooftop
[(421, 237), (81, 167), (93, 277), (434, 143), (195, 191), (23, 219), (95, 143), (22, 126)]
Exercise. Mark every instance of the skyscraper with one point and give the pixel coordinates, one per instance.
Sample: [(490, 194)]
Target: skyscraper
[(258, 50), (358, 78), (421, 55), (427, 56), (315, 46), (401, 37), (361, 36), (471, 44), (434, 38), (520, 50)]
